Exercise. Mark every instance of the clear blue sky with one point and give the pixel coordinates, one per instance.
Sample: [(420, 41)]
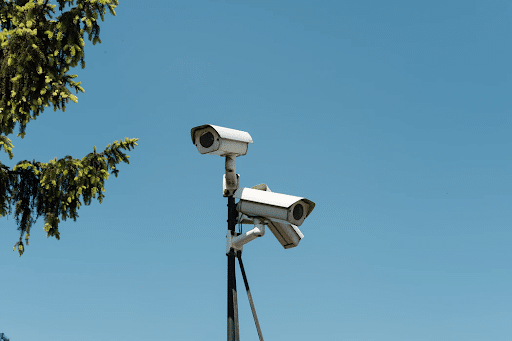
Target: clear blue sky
[(394, 117)]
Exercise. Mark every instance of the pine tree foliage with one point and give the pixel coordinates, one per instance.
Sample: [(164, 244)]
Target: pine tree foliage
[(39, 46), (37, 51)]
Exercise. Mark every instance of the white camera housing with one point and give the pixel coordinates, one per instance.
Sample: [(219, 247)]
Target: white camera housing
[(274, 206), (268, 206), (215, 140), (288, 235)]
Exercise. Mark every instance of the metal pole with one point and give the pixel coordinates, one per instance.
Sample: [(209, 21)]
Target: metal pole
[(233, 334)]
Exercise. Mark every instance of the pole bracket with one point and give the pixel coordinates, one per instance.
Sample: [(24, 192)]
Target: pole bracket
[(231, 180)]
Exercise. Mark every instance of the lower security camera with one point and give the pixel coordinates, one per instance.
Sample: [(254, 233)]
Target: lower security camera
[(287, 234), (274, 206)]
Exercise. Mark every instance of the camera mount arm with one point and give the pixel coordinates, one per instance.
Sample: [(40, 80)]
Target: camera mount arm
[(237, 242), (231, 180)]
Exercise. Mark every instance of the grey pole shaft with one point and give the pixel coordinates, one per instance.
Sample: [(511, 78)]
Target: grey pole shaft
[(233, 330)]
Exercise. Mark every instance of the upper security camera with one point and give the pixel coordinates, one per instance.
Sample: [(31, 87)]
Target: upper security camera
[(274, 206), (210, 139)]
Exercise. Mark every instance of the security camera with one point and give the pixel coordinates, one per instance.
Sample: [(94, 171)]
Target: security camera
[(287, 234), (215, 140), (274, 206)]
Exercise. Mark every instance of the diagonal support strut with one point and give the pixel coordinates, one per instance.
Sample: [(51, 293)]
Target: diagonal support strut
[(239, 256)]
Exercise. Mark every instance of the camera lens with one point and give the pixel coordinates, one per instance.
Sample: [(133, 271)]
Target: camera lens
[(206, 140), (298, 211)]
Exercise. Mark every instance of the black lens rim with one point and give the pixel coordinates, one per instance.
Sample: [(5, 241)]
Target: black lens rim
[(206, 140), (298, 212)]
